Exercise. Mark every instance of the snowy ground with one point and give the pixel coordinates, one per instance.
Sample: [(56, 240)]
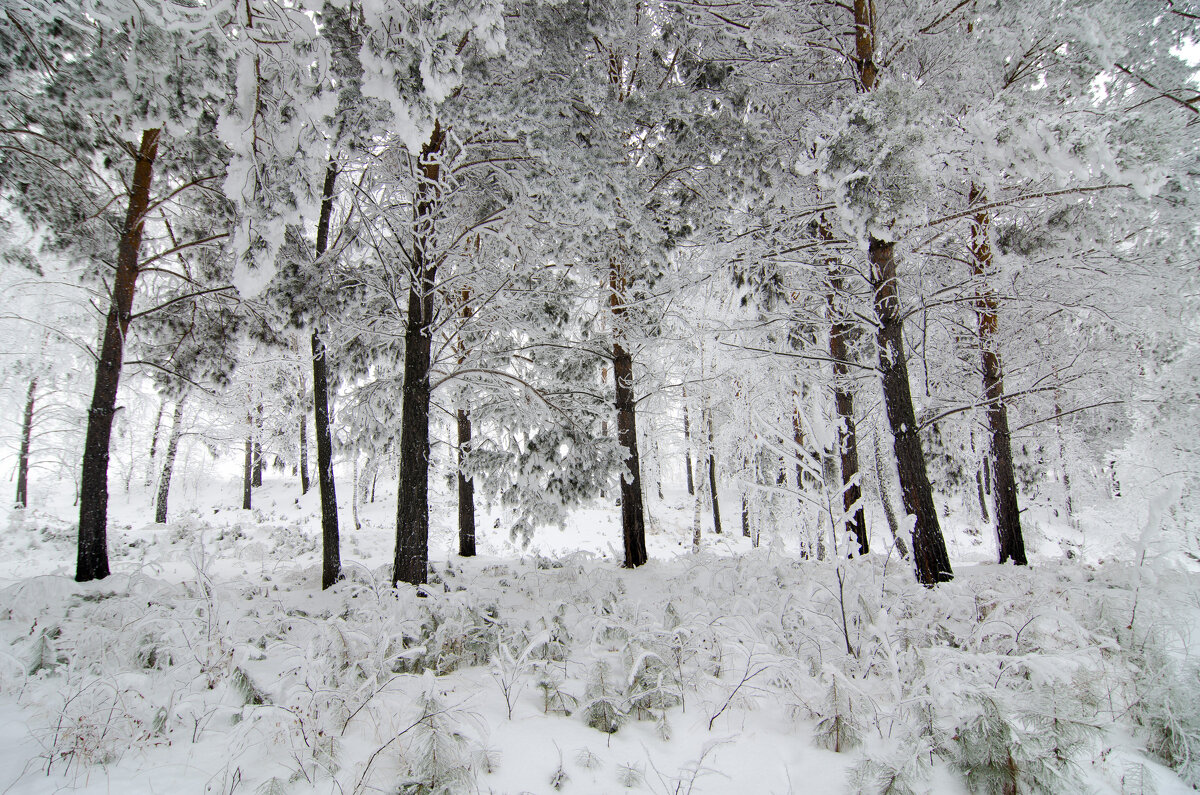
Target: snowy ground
[(211, 661)]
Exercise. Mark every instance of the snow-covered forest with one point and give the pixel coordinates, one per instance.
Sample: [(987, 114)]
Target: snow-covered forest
[(668, 396)]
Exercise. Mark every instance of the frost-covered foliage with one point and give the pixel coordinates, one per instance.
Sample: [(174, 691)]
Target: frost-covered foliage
[(1052, 680), (879, 163)]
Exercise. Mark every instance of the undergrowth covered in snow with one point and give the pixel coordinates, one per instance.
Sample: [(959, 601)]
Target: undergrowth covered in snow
[(751, 673)]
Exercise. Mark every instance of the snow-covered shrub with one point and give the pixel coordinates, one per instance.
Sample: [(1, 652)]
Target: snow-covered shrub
[(902, 769), (604, 706), (440, 758), (838, 728)]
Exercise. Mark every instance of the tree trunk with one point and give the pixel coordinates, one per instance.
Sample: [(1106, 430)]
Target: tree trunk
[(885, 500), (331, 555), (1008, 515), (304, 453), (929, 548), (248, 476), (466, 485), (92, 558), (355, 494), (1062, 463), (164, 480), (154, 443), (983, 509), (466, 490), (411, 564), (633, 517), (745, 517), (23, 456), (712, 474), (687, 446), (839, 350), (258, 454), (864, 42)]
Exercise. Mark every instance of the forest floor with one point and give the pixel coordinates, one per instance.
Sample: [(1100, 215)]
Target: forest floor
[(210, 661)]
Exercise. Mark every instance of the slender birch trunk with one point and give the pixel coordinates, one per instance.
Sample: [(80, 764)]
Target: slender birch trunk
[(164, 480), (26, 437), (154, 443)]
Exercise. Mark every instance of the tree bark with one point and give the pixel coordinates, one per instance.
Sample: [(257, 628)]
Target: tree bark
[(864, 42), (248, 476), (164, 480), (92, 556), (466, 490), (466, 485), (411, 563), (331, 556), (23, 457), (687, 446), (839, 350), (983, 509), (745, 516), (1062, 462), (258, 453), (1008, 515), (304, 452), (154, 443), (355, 494), (712, 474), (633, 517), (929, 547)]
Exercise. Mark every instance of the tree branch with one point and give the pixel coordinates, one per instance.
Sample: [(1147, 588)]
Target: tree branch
[(181, 247), (177, 299)]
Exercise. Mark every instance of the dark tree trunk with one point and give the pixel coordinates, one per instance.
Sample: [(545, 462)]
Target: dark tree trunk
[(1062, 462), (248, 476), (633, 517), (1008, 514), (466, 485), (929, 548), (983, 509), (164, 481), (23, 456), (411, 564), (154, 443), (412, 512), (745, 517), (92, 558), (331, 555), (259, 464), (839, 350), (687, 447), (712, 476), (466, 490), (864, 42), (304, 453)]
